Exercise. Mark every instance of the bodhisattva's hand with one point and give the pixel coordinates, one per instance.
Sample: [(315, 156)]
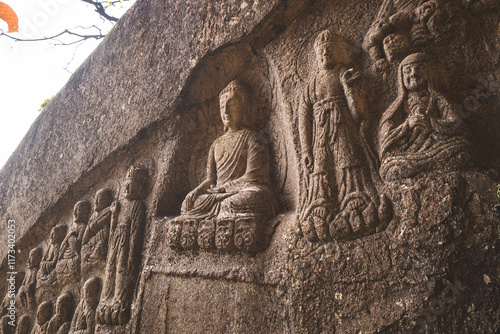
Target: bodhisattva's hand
[(307, 160), (349, 77)]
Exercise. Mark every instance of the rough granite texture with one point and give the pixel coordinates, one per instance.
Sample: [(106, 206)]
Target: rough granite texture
[(416, 251)]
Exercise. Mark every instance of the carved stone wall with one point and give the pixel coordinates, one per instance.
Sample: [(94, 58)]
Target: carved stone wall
[(266, 167)]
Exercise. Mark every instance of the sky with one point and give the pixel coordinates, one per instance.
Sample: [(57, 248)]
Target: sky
[(34, 71)]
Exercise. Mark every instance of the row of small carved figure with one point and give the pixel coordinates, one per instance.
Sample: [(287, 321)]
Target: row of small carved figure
[(61, 318), (88, 244), (244, 233)]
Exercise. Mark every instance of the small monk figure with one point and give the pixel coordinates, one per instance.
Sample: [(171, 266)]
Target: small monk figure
[(45, 276), (26, 293), (60, 323), (421, 131), (84, 317), (237, 181), (95, 238), (24, 325), (43, 316), (128, 220), (68, 265)]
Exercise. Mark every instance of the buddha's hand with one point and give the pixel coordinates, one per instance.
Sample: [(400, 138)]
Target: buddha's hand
[(417, 120), (216, 190), (190, 198)]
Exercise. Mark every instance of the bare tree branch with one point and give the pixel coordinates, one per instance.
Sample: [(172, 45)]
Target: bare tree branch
[(72, 36), (67, 32), (101, 10)]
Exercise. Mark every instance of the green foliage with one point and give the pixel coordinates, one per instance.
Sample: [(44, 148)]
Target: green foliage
[(44, 104)]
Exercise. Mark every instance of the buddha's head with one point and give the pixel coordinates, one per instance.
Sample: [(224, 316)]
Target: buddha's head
[(103, 199), (81, 212), (91, 290), (64, 305), (414, 72), (24, 325), (324, 46), (233, 106), (44, 312), (35, 257), (58, 233), (136, 183)]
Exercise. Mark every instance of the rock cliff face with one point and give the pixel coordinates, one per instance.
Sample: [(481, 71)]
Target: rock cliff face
[(265, 167)]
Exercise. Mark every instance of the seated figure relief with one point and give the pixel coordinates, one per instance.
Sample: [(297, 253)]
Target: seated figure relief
[(26, 293), (420, 131), (230, 207), (128, 220), (341, 201), (84, 318), (43, 316), (60, 322), (68, 265), (95, 238), (45, 275), (24, 325)]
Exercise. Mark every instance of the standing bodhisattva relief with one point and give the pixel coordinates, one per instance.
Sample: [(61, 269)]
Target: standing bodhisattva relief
[(128, 220), (230, 207), (341, 200)]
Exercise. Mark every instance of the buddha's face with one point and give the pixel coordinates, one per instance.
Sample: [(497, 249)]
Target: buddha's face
[(79, 213), (43, 315), (325, 55), (231, 110), (34, 258), (132, 187), (101, 201), (56, 235), (89, 294), (415, 76), (62, 307)]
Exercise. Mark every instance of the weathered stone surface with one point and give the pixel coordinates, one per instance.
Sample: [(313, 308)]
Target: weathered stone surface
[(349, 188)]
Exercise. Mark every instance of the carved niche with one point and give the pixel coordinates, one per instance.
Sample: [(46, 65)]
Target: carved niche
[(229, 210)]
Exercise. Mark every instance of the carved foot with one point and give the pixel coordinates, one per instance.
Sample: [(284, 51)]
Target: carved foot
[(359, 216), (315, 225)]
